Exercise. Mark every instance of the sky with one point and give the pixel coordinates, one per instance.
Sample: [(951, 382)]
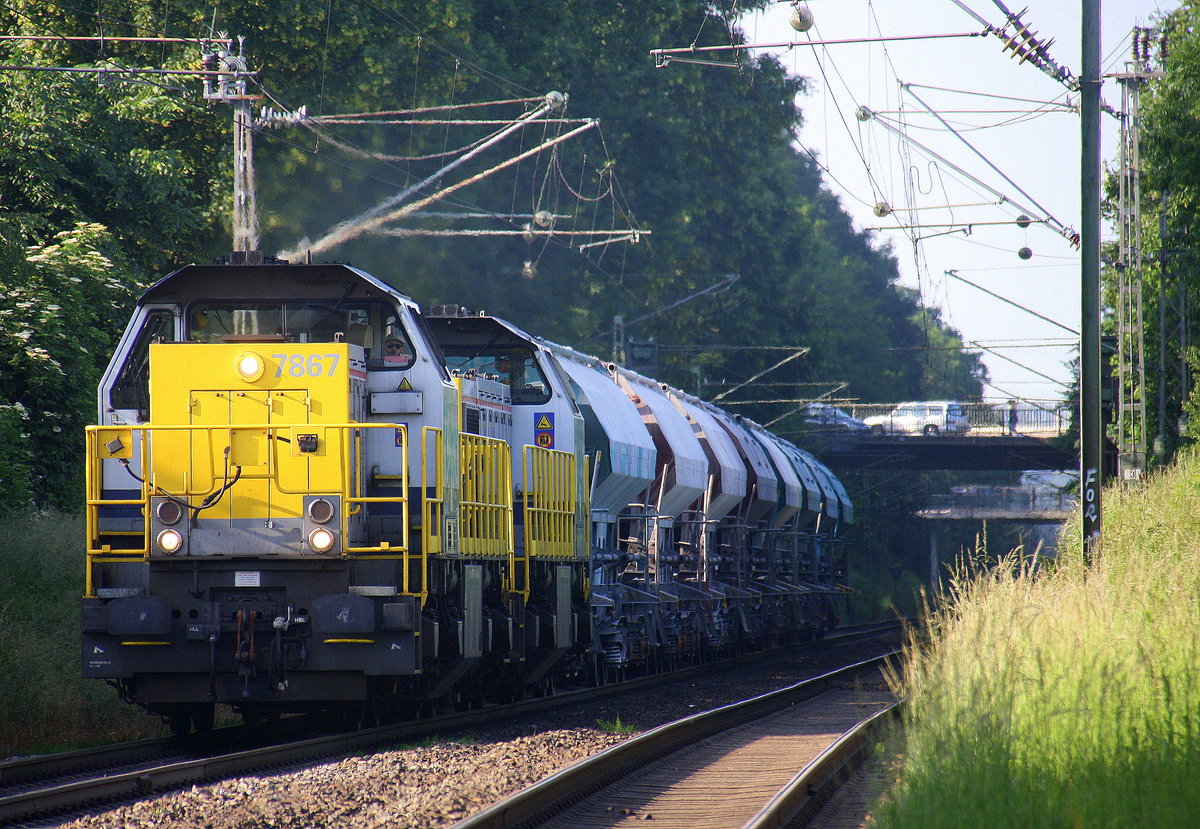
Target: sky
[(1034, 142)]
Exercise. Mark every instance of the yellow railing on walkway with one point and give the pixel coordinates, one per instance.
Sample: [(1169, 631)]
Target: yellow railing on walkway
[(550, 500), (485, 508), (431, 504)]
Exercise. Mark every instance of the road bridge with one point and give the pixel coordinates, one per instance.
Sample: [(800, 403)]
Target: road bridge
[(1026, 504), (911, 452), (1037, 507)]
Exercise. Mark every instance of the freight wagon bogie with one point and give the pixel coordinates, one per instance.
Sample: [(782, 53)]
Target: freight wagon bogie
[(303, 494)]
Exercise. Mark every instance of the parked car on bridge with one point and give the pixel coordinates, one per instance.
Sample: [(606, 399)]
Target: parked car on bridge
[(821, 417), (929, 418)]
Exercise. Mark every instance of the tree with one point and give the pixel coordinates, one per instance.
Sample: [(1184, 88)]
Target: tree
[(703, 158), (1170, 197), (62, 303)]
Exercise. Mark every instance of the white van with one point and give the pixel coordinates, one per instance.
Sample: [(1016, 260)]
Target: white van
[(929, 418)]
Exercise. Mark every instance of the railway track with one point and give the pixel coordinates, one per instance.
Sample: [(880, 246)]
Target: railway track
[(817, 783), (59, 783), (722, 768)]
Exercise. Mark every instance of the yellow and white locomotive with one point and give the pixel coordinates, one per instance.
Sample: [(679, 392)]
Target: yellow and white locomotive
[(305, 494)]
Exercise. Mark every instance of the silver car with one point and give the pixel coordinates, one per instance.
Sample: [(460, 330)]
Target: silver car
[(929, 418), (821, 417)]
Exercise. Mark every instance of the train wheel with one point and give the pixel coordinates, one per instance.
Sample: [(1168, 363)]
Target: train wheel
[(372, 713), (184, 720), (180, 722), (261, 717), (204, 717)]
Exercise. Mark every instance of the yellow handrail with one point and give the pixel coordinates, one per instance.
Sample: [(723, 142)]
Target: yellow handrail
[(352, 487), (134, 446), (485, 505), (549, 495), (431, 504)]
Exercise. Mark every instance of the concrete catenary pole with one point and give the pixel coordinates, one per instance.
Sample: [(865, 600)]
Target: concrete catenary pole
[(1090, 428)]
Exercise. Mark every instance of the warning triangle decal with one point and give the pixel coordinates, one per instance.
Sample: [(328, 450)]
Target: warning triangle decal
[(405, 385), (544, 423)]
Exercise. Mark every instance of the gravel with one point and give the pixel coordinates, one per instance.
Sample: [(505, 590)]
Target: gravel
[(439, 784)]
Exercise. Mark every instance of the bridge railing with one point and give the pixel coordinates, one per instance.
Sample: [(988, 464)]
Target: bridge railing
[(1035, 418)]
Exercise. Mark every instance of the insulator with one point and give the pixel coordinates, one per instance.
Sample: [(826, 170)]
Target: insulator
[(863, 114), (882, 209), (528, 270), (1024, 221), (1162, 48), (1025, 253), (527, 232), (543, 218), (801, 18), (1134, 40)]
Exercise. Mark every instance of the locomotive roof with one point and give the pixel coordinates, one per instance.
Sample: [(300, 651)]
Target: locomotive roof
[(268, 281), (476, 327)]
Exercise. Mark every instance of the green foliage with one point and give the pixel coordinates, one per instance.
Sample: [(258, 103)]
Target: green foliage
[(615, 726), (947, 372), (703, 158), (892, 546), (62, 305), (99, 184), (140, 159), (16, 466), (44, 703), (1169, 147)]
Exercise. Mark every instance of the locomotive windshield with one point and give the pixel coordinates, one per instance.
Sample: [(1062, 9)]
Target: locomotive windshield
[(515, 367), (361, 323)]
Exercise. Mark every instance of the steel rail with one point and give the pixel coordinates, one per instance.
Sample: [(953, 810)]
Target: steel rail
[(25, 769), (800, 800), (555, 793), (152, 778)]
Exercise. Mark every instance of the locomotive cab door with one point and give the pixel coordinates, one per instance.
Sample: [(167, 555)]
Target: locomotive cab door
[(123, 398)]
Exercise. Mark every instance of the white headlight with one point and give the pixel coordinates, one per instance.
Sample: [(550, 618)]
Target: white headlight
[(320, 540), (169, 541), (249, 366)]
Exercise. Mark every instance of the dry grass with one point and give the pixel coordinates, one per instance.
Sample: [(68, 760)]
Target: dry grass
[(1056, 694)]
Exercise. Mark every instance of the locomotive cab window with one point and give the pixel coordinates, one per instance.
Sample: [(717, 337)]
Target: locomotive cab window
[(132, 387), (397, 352), (517, 368), (303, 321)]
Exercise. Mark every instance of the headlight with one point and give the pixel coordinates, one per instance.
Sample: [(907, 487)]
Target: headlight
[(249, 366), (320, 510), (169, 512), (169, 541), (321, 540)]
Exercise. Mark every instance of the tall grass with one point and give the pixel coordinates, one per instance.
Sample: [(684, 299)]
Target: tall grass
[(1053, 694), (44, 703)]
